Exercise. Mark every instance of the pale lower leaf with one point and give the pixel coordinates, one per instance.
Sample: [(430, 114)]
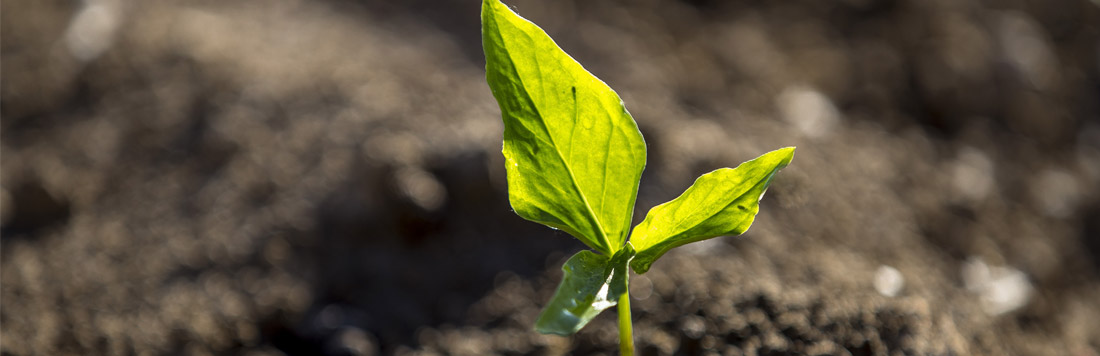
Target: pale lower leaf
[(590, 284)]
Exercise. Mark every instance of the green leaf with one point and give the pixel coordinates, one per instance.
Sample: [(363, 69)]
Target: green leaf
[(591, 283), (573, 154), (722, 202)]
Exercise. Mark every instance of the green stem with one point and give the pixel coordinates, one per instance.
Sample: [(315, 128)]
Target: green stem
[(626, 331)]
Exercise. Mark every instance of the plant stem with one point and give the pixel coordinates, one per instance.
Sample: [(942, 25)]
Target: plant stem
[(626, 331)]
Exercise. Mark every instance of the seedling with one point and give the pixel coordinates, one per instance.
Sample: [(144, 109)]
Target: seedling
[(574, 157)]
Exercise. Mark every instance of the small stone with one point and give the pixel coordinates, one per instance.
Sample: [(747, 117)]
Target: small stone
[(693, 326), (1000, 289), (888, 281), (808, 110)]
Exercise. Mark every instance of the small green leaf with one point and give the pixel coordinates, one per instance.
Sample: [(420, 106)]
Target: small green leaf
[(573, 154), (722, 202), (590, 284)]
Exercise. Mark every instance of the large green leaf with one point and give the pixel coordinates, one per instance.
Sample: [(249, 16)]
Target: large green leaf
[(722, 202), (591, 283), (573, 154)]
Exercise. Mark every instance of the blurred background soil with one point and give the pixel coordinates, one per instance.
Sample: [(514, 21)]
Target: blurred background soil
[(286, 177)]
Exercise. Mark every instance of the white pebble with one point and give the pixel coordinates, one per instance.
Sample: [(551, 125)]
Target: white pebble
[(1057, 193), (1000, 289), (808, 110), (92, 30), (973, 174), (422, 188), (888, 281)]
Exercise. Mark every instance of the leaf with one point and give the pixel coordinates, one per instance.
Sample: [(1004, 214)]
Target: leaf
[(590, 284), (722, 202), (573, 154)]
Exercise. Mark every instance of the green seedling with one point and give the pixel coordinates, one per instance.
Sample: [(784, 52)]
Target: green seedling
[(574, 157)]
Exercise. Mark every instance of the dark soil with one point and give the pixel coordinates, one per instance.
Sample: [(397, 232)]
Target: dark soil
[(325, 178)]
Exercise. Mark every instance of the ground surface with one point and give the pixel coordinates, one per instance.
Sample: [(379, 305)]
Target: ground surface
[(301, 178)]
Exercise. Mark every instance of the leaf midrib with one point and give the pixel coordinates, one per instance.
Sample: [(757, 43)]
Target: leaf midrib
[(572, 177)]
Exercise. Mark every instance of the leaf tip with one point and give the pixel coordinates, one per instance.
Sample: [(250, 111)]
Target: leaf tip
[(787, 153)]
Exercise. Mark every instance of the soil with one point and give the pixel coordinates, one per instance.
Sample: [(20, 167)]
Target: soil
[(325, 178)]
